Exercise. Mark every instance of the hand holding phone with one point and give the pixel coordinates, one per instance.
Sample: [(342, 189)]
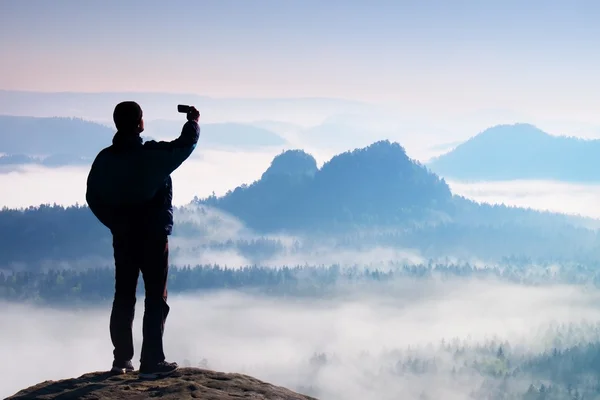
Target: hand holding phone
[(192, 113)]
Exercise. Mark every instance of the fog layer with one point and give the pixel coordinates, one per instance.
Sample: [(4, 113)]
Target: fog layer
[(221, 170), (569, 198), (274, 339)]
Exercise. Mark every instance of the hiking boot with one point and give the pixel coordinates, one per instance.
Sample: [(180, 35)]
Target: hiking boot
[(121, 367), (158, 370)]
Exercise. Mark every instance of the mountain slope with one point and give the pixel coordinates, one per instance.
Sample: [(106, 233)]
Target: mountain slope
[(52, 136), (367, 197), (188, 383), (521, 151), (377, 184), (292, 163)]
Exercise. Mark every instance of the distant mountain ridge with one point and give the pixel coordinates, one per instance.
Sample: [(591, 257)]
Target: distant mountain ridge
[(58, 141), (55, 160), (231, 135), (521, 151), (99, 106), (375, 187), (373, 196), (378, 184), (33, 136)]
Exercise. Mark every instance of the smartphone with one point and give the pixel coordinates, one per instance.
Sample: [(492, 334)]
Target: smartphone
[(183, 108)]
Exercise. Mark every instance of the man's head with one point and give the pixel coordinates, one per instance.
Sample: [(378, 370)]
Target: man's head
[(128, 117)]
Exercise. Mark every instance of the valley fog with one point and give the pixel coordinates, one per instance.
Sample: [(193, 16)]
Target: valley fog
[(448, 250), (555, 196), (203, 173), (221, 170), (361, 335)]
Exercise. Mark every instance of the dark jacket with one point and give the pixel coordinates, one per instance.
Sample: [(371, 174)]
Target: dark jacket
[(129, 187)]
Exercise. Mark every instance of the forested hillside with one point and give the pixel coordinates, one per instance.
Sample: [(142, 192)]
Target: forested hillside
[(374, 186), (52, 136), (374, 196)]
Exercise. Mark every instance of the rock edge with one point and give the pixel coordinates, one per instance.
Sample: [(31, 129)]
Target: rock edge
[(186, 383)]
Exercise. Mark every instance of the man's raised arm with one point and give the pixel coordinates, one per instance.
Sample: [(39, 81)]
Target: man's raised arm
[(165, 157)]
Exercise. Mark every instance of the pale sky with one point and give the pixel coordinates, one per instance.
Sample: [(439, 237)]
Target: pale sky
[(531, 56)]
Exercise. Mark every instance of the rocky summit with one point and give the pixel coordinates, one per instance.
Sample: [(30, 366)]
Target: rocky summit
[(186, 383)]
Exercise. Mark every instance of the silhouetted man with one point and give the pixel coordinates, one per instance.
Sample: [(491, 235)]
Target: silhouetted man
[(129, 190)]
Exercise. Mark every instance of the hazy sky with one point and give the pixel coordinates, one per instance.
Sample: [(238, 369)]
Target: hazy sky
[(534, 56)]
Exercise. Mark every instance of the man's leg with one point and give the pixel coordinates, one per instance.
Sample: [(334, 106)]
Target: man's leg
[(126, 253), (155, 269)]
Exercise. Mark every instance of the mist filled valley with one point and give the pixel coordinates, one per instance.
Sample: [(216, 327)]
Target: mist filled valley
[(350, 274), (456, 337), (362, 200)]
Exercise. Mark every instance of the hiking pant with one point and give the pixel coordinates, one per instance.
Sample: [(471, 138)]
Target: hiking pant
[(150, 255)]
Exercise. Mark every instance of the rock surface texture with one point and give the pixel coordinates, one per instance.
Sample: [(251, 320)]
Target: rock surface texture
[(186, 383)]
